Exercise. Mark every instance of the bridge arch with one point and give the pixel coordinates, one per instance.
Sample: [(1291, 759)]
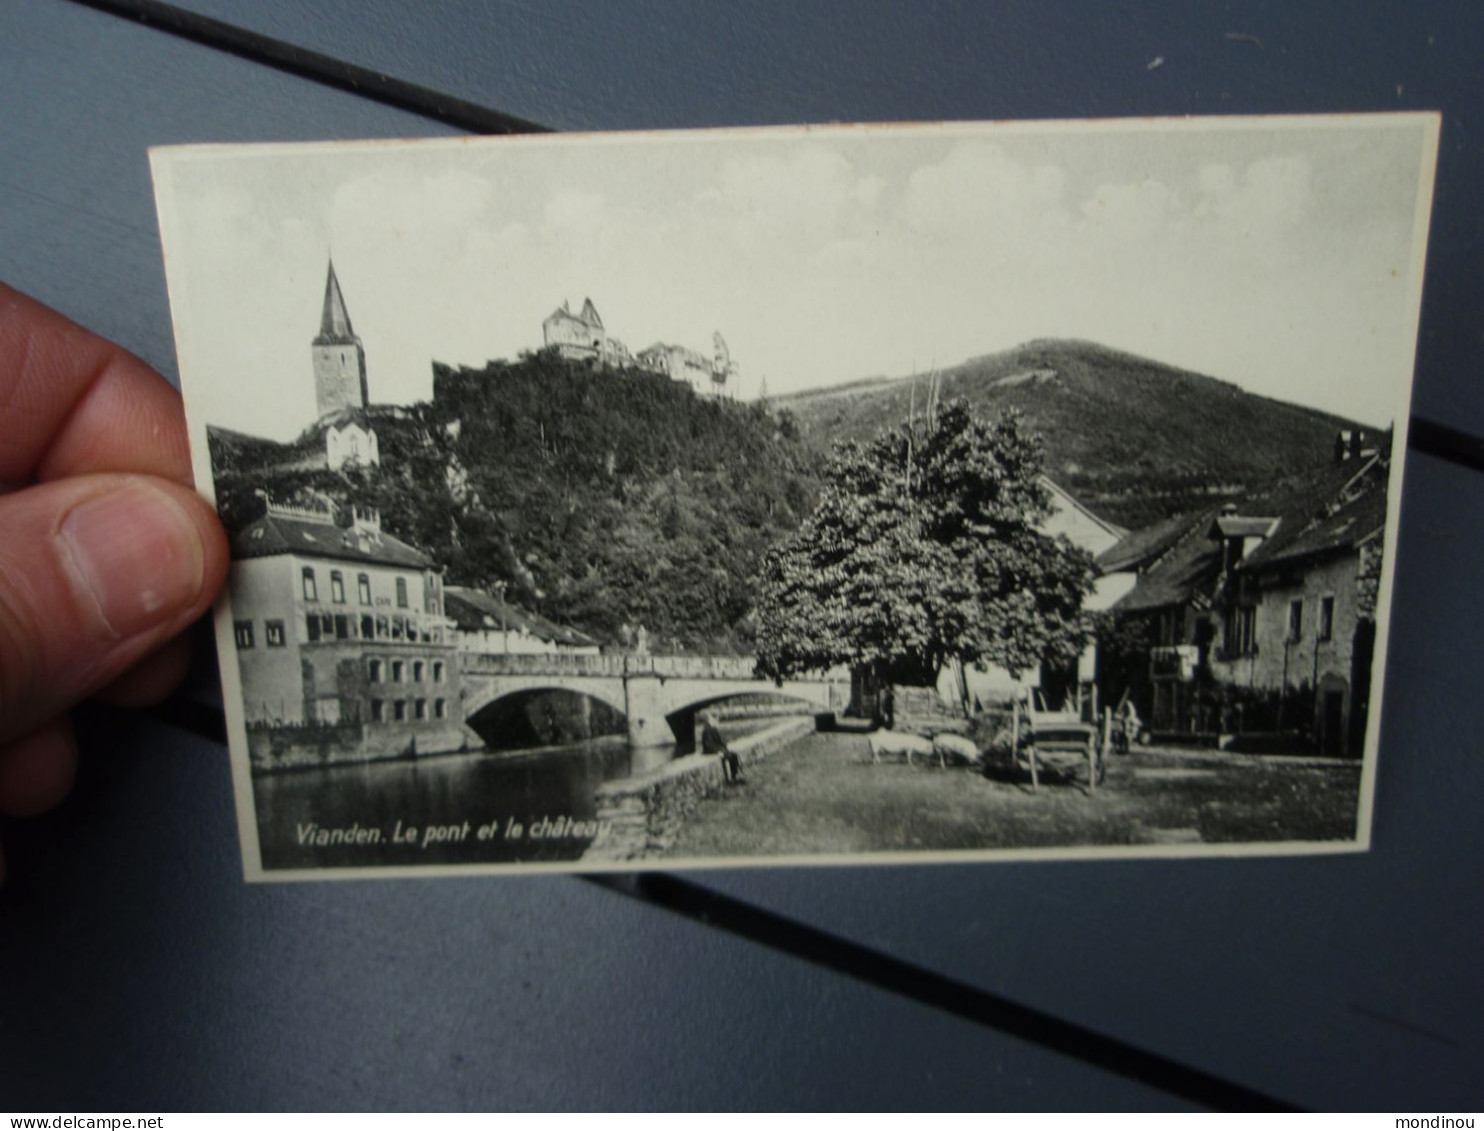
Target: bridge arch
[(645, 690), (683, 713), (479, 694), (537, 715)]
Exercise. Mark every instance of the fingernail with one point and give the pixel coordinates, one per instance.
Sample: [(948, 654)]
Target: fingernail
[(135, 554)]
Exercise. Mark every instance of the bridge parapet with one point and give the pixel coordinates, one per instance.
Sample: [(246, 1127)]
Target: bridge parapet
[(616, 664), (518, 663), (694, 667)]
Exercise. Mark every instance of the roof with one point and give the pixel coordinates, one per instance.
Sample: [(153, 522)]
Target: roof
[(1081, 508), (1242, 526), (278, 534), (588, 317), (1325, 526), (1333, 509), (1140, 547), (1189, 565), (474, 610), (334, 320)]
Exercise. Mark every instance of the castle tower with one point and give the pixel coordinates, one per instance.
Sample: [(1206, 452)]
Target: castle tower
[(339, 360)]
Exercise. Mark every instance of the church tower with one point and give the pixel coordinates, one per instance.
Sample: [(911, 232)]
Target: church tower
[(339, 360)]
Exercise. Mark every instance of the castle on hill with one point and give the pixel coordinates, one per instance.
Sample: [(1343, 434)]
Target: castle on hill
[(583, 337)]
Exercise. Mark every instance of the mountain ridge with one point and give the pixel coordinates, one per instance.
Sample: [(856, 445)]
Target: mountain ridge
[(1135, 439)]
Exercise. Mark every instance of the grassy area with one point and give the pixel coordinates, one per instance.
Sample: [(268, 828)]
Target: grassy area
[(824, 796)]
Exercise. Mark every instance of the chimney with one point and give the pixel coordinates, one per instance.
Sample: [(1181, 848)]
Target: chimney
[(1356, 440), (1342, 445)]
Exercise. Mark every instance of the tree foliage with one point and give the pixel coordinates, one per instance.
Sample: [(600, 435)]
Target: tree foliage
[(923, 548), (602, 499)]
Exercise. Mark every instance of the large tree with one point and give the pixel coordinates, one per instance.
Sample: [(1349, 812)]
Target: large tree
[(926, 546)]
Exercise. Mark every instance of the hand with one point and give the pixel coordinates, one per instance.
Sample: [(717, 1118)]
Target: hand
[(106, 552)]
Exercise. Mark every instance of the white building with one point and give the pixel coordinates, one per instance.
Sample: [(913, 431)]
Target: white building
[(341, 627), (1086, 531)]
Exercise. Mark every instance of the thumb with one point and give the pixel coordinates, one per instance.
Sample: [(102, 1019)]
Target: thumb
[(96, 572)]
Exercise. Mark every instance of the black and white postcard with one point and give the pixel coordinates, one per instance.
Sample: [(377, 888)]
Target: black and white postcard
[(806, 495)]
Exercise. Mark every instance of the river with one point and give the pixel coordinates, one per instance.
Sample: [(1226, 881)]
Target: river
[(451, 809)]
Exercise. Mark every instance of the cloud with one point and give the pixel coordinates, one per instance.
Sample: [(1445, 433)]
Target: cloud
[(1270, 194), (1134, 211), (432, 210), (579, 214), (811, 197), (979, 189)]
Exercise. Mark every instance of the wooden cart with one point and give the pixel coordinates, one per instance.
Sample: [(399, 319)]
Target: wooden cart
[(1058, 740)]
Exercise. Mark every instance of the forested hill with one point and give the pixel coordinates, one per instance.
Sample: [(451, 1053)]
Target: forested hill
[(1134, 439), (602, 499)]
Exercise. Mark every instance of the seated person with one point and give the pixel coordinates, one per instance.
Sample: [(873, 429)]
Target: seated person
[(713, 743)]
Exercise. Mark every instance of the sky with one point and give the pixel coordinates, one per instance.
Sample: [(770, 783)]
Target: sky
[(1283, 255)]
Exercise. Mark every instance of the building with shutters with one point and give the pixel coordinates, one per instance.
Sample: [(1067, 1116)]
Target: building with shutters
[(343, 645)]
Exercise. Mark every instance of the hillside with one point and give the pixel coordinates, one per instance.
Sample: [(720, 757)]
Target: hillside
[(1134, 439), (602, 500)]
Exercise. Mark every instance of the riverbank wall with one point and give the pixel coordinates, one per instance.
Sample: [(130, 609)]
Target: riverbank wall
[(640, 817), (334, 744)]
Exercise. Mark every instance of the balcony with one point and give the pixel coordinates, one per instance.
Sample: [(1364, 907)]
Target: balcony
[(1174, 661)]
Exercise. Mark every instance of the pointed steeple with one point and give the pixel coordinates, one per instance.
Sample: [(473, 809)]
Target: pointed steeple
[(339, 359), (334, 321)]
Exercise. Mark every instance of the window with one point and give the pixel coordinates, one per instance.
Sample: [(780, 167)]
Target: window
[(1240, 626), (311, 628), (337, 587), (417, 671), (311, 590), (438, 672), (396, 671), (399, 709), (368, 627), (1326, 618), (273, 633), (420, 709), (373, 671), (242, 630), (363, 585), (1172, 627), (440, 709), (383, 630), (378, 711), (1296, 620), (401, 592)]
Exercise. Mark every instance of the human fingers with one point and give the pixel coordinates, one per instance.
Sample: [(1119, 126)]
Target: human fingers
[(37, 770), (96, 573), (153, 678), (75, 404)]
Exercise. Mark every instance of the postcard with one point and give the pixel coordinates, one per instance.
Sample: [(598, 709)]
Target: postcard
[(828, 495)]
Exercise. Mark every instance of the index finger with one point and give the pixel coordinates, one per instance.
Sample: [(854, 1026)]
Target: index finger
[(72, 403)]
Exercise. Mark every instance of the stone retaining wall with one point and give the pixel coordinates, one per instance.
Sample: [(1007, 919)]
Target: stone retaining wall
[(639, 817), (334, 744)]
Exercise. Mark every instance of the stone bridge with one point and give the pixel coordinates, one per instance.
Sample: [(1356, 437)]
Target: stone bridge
[(660, 696)]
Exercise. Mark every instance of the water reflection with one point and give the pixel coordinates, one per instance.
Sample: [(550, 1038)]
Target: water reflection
[(314, 818), (454, 809)]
